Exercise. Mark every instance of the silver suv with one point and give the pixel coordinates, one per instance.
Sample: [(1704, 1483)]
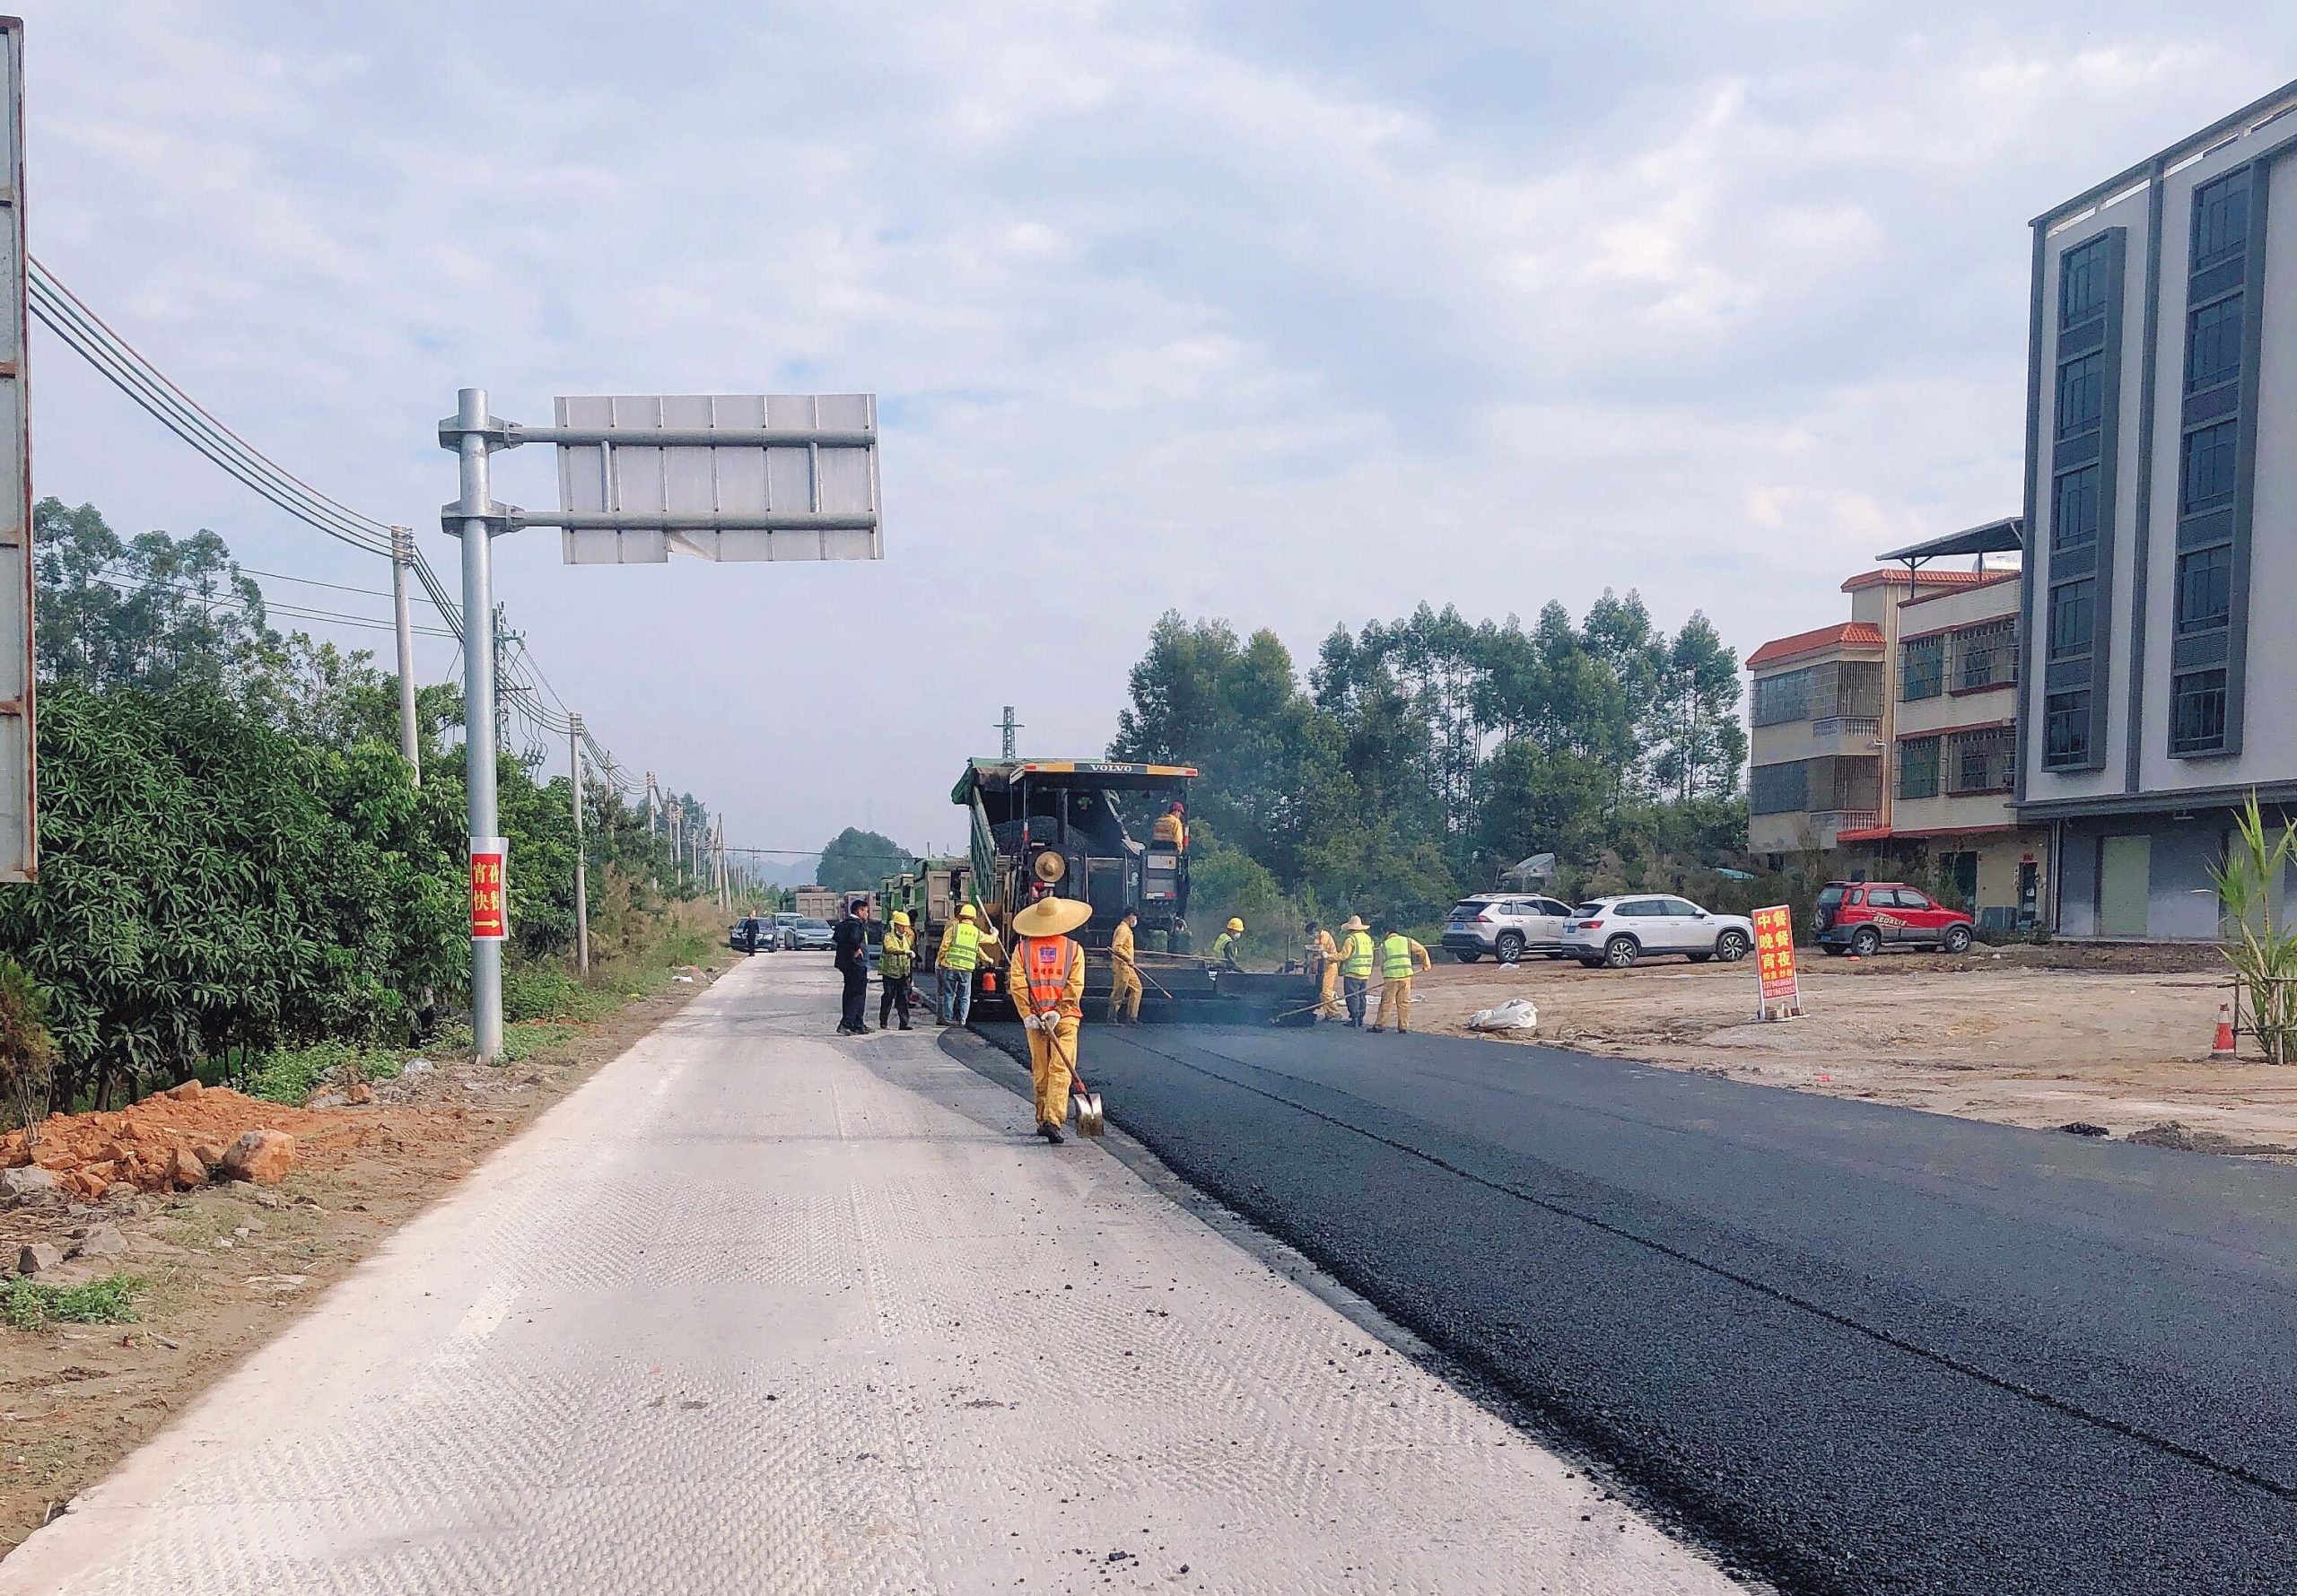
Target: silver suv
[(1507, 925)]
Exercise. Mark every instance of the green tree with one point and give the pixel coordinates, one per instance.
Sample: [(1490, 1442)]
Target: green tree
[(150, 611), (856, 860)]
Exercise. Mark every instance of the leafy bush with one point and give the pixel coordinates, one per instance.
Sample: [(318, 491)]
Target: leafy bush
[(28, 1305), (537, 992), (27, 1051)]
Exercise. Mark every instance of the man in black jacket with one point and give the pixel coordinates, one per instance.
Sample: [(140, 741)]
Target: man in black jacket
[(851, 944)]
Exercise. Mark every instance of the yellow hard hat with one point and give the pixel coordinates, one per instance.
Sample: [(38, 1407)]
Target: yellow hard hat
[(965, 912), (1235, 925), (901, 917)]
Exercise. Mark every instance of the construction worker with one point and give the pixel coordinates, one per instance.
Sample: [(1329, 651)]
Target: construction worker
[(1171, 828), (1399, 955), (849, 944), (953, 968), (1355, 967), (1048, 986), (1323, 959), (897, 957), (1225, 945), (1125, 993)]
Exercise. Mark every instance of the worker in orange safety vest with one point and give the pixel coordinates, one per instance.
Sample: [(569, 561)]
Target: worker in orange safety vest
[(1048, 986)]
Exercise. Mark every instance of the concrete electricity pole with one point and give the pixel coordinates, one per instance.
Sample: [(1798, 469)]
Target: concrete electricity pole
[(403, 622), (581, 870)]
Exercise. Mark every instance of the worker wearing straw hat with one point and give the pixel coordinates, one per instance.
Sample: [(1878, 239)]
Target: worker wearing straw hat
[(1048, 986), (1355, 966), (1324, 964)]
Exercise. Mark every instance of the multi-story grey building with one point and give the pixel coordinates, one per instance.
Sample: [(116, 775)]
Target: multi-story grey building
[(2161, 496)]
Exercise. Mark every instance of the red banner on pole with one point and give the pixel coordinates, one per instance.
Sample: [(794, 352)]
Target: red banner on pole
[(1782, 992), (490, 913)]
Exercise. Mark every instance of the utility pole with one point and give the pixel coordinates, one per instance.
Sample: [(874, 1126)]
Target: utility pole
[(1008, 726), (653, 827), (473, 435), (403, 622), (581, 870), (500, 638)]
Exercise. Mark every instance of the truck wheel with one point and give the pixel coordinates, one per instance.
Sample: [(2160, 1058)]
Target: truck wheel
[(1620, 952), (1731, 946), (1867, 942), (1509, 947), (1958, 940)]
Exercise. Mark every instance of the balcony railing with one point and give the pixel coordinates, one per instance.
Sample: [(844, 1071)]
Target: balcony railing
[(1857, 728), (1836, 821)]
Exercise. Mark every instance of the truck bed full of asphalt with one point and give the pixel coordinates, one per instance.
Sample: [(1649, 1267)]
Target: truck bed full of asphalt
[(1854, 1348)]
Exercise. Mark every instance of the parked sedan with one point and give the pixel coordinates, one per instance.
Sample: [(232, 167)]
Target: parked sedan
[(1505, 925), (801, 935), (1864, 917), (1621, 930)]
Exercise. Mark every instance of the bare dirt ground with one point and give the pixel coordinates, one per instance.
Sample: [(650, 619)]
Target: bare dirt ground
[(2116, 1037), (229, 1264)]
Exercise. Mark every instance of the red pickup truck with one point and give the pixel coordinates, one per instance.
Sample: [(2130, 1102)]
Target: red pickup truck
[(1864, 917)]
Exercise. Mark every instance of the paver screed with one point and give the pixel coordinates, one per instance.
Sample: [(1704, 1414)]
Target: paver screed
[(757, 1310)]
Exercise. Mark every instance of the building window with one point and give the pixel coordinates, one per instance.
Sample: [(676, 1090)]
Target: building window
[(2205, 588), (2074, 509), (2208, 476), (1981, 761), (1985, 655), (2082, 281), (2066, 729), (2214, 344), (1918, 768), (2220, 219), (2072, 617), (2081, 394), (1922, 667), (2198, 712), (1782, 698), (1779, 788)]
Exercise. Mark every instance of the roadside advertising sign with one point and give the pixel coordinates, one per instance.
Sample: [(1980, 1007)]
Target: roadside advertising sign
[(489, 910), (1782, 993)]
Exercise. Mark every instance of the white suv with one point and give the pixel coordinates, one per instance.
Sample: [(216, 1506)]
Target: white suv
[(1505, 925), (1617, 932)]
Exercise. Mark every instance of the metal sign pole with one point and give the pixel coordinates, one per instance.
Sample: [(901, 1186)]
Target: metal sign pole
[(581, 876), (403, 622), (475, 511)]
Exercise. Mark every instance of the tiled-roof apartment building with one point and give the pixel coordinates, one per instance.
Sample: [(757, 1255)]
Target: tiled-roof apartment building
[(1892, 736)]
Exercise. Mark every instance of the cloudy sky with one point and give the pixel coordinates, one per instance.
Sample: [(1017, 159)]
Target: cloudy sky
[(1291, 314)]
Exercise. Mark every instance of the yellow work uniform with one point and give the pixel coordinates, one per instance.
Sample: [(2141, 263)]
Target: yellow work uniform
[(1170, 830), (1052, 1058), (1323, 958), (1399, 955), (1124, 996)]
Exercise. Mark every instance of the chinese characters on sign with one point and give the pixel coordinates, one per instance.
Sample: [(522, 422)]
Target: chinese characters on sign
[(1782, 995), (489, 912)]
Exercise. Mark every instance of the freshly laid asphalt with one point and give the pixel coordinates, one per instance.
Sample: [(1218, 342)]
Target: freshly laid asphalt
[(1854, 1348)]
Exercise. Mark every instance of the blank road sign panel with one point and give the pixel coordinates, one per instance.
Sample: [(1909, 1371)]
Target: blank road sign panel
[(820, 486)]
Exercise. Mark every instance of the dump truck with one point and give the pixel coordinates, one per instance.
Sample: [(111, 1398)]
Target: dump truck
[(1060, 826)]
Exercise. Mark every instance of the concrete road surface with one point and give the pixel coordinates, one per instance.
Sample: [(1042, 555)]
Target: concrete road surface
[(1863, 1349), (757, 1311)]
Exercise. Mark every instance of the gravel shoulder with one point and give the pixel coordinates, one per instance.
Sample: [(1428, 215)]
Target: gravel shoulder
[(2117, 1038)]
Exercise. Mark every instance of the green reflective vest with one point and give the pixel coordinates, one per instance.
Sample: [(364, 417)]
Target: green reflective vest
[(1224, 945), (894, 956), (1355, 955), (1395, 957), (961, 945)]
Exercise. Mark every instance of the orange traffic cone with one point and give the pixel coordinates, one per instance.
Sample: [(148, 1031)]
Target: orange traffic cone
[(2223, 1046)]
